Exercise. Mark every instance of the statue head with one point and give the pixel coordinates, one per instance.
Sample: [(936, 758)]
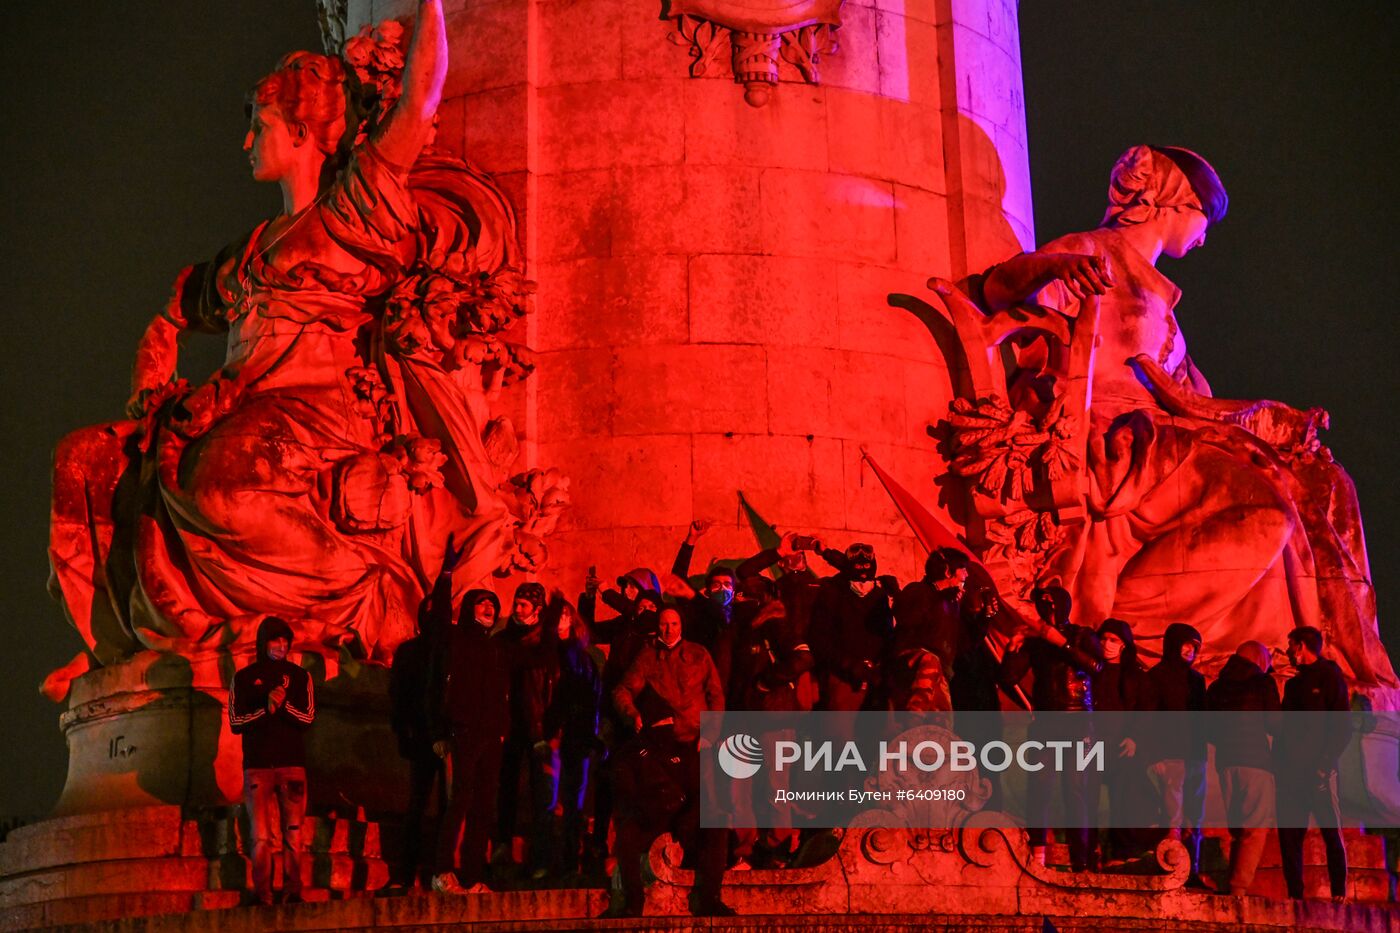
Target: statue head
[(297, 115), (1170, 187)]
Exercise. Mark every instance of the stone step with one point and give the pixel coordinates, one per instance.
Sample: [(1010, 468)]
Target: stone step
[(178, 875), (226, 834), (486, 915), (161, 831)]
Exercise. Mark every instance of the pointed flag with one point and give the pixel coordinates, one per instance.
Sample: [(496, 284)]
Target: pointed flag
[(928, 529), (765, 534)]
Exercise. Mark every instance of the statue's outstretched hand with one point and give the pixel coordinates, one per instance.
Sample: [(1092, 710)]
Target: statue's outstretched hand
[(1082, 275)]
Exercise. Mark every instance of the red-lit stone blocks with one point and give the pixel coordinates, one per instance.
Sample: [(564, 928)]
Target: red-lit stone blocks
[(714, 307)]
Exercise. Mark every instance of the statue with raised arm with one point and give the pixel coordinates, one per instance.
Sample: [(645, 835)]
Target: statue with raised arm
[(317, 474), (1097, 457)]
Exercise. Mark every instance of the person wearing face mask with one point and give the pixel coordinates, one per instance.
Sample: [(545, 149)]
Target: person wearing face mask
[(1177, 757), (1120, 688), (1244, 703), (712, 610), (622, 600), (271, 702), (851, 631), (1306, 756), (928, 625), (469, 716), (529, 638), (1063, 658), (675, 681)]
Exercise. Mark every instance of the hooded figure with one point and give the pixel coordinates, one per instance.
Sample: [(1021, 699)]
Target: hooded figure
[(1244, 704), (272, 738), (1177, 754), (270, 704), (851, 633), (469, 716)]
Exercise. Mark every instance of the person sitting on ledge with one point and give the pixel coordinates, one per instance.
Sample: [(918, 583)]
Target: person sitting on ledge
[(270, 704)]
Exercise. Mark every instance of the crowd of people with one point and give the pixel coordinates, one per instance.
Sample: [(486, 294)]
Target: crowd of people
[(579, 735)]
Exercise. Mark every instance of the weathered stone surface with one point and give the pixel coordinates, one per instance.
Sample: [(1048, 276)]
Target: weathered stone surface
[(788, 479), (790, 131), (776, 301), (687, 209), (617, 301), (609, 124), (821, 214), (488, 45), (689, 389)]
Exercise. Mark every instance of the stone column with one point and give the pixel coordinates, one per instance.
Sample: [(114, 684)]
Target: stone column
[(713, 310)]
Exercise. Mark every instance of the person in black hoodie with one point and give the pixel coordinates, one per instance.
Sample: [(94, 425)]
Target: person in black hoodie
[(1120, 690), (851, 631), (1244, 703), (1177, 757), (271, 702), (532, 654), (468, 717), (1063, 657), (1306, 755), (973, 686)]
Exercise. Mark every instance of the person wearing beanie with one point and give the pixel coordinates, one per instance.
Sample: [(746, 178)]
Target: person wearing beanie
[(1176, 758), (1120, 688), (530, 640), (271, 702), (1244, 706), (468, 718)]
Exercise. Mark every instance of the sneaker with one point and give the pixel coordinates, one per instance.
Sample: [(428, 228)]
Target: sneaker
[(741, 865), (447, 883), (478, 888)]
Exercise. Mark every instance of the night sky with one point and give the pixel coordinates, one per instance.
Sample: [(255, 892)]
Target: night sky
[(123, 162)]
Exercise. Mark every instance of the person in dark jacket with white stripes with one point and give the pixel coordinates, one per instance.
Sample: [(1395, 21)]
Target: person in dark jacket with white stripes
[(271, 702)]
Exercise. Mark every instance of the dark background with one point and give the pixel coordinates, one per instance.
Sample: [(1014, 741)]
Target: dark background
[(123, 162)]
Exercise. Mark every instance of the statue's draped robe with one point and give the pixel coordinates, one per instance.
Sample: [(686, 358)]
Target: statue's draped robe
[(172, 536), (1199, 521)]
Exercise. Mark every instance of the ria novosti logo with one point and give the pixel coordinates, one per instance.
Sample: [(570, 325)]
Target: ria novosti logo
[(740, 756)]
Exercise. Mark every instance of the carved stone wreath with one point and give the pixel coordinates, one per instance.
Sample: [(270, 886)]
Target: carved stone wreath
[(758, 34)]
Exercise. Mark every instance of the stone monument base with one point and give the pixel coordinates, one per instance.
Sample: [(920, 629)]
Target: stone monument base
[(149, 869), (153, 731)]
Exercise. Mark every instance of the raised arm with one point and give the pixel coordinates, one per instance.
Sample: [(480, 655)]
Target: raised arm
[(405, 130)]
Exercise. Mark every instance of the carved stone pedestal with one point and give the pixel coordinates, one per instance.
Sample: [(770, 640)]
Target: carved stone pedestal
[(154, 731), (153, 860)]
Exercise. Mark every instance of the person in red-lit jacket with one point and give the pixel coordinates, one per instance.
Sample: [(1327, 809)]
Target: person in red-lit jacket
[(271, 702)]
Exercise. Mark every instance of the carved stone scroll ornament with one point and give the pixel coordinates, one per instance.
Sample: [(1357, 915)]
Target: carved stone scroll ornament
[(760, 34)]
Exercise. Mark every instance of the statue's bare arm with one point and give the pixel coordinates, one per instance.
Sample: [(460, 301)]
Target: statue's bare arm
[(405, 130), (1014, 282)]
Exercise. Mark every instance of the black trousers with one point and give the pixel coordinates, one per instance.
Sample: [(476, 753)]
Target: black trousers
[(1301, 797), (425, 772), (475, 764), (705, 849)]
